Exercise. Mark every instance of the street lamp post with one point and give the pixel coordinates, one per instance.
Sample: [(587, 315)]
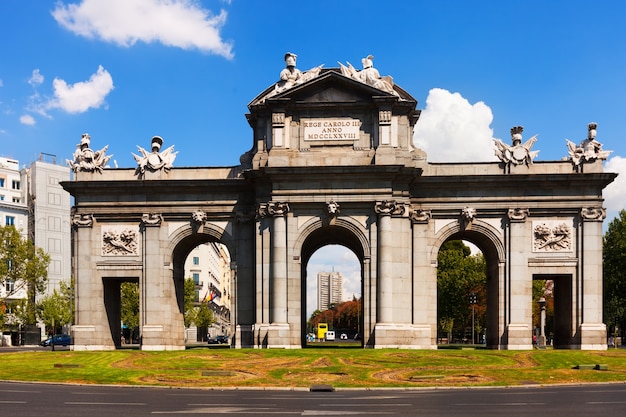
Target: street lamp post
[(472, 300), (541, 340)]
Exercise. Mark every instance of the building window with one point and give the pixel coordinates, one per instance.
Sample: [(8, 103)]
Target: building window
[(1, 198), (54, 199), (16, 199), (196, 278), (16, 185), (9, 286), (9, 221), (54, 223), (196, 260), (1, 182)]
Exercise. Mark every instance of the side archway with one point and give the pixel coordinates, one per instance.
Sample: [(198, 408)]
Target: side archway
[(490, 241)]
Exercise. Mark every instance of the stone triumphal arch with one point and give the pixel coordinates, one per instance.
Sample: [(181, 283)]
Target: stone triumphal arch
[(332, 162)]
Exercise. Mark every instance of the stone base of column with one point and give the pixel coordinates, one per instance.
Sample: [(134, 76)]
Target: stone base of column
[(519, 337), (86, 337), (279, 336), (403, 336), (260, 335), (244, 336), (154, 338), (592, 336)]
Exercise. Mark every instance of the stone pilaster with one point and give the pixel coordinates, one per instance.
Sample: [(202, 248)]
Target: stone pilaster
[(592, 331), (91, 326), (161, 328), (519, 287)]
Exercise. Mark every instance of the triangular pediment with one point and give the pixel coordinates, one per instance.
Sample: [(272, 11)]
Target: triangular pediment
[(329, 87)]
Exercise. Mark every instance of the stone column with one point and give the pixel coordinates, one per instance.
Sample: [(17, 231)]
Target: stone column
[(278, 334), (279, 263), (384, 210), (592, 330)]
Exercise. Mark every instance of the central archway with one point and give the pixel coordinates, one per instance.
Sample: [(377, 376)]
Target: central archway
[(344, 233)]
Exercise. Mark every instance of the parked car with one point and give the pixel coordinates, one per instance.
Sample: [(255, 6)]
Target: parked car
[(57, 340), (218, 340)]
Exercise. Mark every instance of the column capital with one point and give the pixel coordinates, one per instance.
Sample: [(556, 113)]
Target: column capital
[(82, 220), (518, 215), (593, 214), (420, 216), (273, 208), (389, 208), (151, 219)]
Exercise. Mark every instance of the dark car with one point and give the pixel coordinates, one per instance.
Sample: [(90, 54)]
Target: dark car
[(218, 340), (57, 340)]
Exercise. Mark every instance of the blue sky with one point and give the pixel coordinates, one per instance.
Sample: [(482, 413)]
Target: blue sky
[(124, 71)]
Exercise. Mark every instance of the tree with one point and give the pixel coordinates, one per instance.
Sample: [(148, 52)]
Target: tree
[(343, 316), (460, 274), (203, 316), (614, 274), (189, 302), (54, 311), (25, 266), (129, 292)]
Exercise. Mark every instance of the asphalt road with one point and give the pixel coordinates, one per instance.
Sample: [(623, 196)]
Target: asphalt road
[(52, 400)]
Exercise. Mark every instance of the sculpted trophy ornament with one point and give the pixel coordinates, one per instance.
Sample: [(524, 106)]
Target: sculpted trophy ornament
[(519, 153), (86, 159), (589, 149), (155, 160)]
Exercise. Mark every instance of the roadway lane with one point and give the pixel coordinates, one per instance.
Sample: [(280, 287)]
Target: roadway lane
[(52, 400)]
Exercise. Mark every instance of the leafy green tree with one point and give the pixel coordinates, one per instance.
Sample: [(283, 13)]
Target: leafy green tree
[(189, 302), (203, 316), (460, 274), (55, 311), (614, 271), (129, 292), (24, 265)]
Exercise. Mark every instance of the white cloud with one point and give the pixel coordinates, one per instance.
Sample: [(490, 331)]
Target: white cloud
[(27, 119), (451, 129), (179, 23), (615, 193), (36, 78), (82, 96)]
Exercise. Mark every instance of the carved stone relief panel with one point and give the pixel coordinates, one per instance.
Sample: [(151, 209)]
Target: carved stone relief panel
[(552, 236), (120, 240)]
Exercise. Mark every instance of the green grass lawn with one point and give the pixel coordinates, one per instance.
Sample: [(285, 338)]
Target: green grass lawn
[(292, 368)]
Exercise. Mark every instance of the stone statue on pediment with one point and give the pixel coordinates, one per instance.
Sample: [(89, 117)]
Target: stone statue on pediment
[(368, 75), (292, 76), (155, 160), (519, 153), (589, 149), (86, 159)]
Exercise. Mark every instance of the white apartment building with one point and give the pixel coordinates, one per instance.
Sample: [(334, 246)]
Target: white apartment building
[(32, 199), (329, 289), (13, 211), (209, 266), (49, 215)]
